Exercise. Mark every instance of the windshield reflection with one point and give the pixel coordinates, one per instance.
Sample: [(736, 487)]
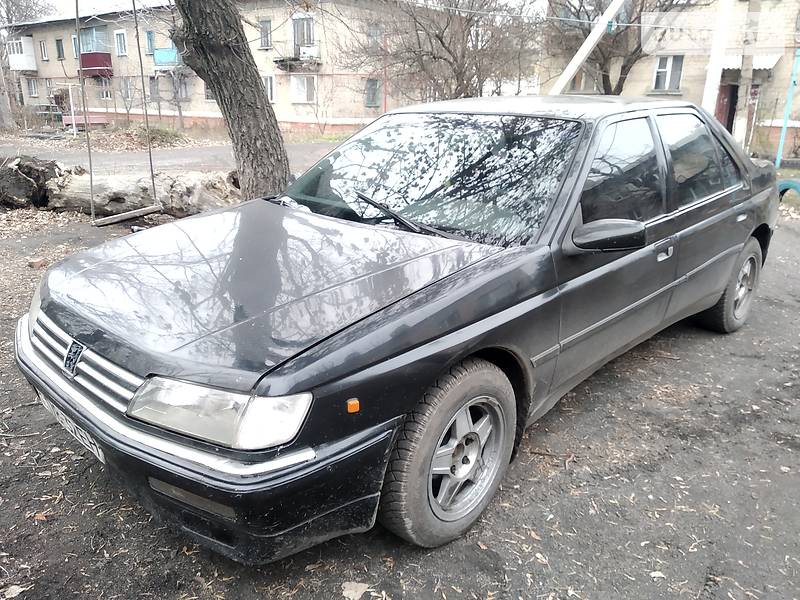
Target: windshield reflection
[(490, 178)]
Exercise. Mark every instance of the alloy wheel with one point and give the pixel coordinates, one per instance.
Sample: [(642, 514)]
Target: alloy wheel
[(466, 458)]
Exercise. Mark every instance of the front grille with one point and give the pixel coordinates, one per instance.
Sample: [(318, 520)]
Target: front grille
[(99, 379)]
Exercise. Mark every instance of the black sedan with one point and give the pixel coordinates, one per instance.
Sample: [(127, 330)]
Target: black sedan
[(372, 343)]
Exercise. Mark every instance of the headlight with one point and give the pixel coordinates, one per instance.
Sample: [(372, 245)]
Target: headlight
[(230, 419), (36, 305)]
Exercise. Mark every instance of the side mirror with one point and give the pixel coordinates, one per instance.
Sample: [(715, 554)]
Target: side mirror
[(609, 235)]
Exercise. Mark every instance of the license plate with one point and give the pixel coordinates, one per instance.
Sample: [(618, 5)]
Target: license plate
[(79, 434)]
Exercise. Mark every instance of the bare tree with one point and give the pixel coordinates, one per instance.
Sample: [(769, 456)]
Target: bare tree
[(446, 49), (212, 42), (571, 21)]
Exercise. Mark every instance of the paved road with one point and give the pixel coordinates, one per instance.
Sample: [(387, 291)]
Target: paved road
[(671, 473), (205, 158)]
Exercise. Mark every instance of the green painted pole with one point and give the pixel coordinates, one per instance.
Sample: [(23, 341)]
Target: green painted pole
[(787, 109)]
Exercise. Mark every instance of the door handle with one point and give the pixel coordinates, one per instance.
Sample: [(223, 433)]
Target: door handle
[(741, 217), (665, 249), (665, 253)]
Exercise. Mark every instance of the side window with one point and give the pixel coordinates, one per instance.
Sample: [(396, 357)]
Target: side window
[(695, 166), (624, 181), (730, 172)]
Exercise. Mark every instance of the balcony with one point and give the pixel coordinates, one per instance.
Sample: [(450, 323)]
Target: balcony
[(21, 56), (96, 64), (166, 59), (305, 60)]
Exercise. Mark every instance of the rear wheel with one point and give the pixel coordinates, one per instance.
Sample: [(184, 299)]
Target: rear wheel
[(450, 456), (732, 309)]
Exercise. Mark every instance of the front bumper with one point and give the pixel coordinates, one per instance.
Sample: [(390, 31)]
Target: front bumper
[(252, 512)]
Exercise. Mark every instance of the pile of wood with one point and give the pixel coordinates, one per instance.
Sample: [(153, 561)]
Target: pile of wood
[(27, 181)]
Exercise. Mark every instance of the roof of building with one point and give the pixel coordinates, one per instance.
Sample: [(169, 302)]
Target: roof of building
[(94, 8), (566, 106)]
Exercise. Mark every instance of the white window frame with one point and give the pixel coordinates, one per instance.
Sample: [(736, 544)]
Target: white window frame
[(43, 50), (184, 93), (270, 87), (33, 87), (63, 52), (14, 47), (293, 90), (378, 85), (667, 73), (150, 42), (106, 89), (48, 83), (261, 34), (299, 16), (76, 48), (121, 34)]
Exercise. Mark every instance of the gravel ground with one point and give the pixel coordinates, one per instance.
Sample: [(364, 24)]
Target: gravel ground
[(674, 472)]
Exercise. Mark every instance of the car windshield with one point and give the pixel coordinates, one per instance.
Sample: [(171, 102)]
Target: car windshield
[(488, 178)]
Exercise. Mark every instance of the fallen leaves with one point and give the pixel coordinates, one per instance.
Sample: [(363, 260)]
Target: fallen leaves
[(15, 590)]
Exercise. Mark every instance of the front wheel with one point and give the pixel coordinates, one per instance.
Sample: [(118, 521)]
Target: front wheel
[(450, 455), (732, 309)]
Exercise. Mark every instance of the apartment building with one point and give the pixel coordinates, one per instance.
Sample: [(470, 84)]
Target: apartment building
[(678, 46), (301, 55)]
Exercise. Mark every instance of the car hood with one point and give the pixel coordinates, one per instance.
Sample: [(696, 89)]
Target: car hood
[(244, 288)]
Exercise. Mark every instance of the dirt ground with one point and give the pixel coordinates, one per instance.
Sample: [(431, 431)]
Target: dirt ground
[(674, 472)]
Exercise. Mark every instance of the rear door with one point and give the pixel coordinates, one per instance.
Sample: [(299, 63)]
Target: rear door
[(707, 200), (611, 300)]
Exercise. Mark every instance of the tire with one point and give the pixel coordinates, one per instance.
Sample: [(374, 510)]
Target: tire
[(733, 308), (450, 420)]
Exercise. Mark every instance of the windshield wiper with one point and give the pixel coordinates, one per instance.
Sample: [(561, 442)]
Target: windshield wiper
[(402, 221)]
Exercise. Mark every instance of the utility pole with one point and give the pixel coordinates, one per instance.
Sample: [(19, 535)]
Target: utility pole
[(717, 55), (742, 119), (588, 46)]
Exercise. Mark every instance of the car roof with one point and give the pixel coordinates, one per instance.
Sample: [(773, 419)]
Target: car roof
[(585, 108)]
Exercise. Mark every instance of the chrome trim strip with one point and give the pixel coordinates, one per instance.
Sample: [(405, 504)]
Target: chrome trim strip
[(86, 383), (113, 386), (101, 362), (575, 337), (548, 354), (43, 334), (222, 465), (48, 323)]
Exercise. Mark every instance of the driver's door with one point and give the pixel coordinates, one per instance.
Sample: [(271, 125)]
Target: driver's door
[(611, 300)]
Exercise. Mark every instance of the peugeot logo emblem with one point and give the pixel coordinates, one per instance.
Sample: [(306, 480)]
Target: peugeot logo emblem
[(72, 357)]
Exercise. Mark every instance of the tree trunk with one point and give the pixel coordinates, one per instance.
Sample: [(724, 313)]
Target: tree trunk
[(214, 46), (6, 115)]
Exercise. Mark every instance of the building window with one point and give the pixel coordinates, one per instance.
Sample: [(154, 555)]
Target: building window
[(105, 88), (121, 41), (210, 94), (49, 84), (95, 39), (43, 50), (60, 49), (374, 36), (304, 89), (150, 37), (127, 87), (266, 33), (14, 47), (33, 88), (303, 33), (269, 84), (584, 83), (155, 93), (75, 49), (668, 73), (183, 88), (372, 94)]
